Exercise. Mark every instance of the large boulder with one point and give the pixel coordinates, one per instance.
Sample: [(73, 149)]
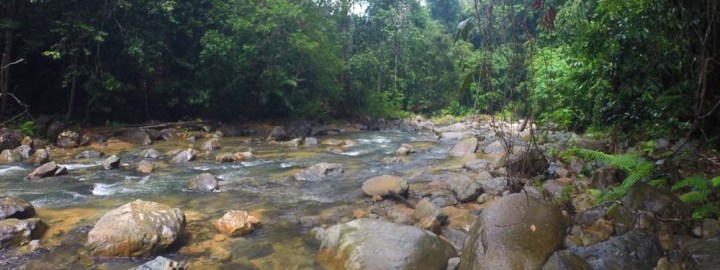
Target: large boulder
[(518, 231), (10, 138), (646, 199), (9, 156), (375, 244), (136, 136), (13, 207), (184, 156), (464, 147), (14, 232), (47, 170), (203, 182), (136, 229), (465, 189), (320, 171), (384, 185), (68, 139), (633, 250), (236, 223)]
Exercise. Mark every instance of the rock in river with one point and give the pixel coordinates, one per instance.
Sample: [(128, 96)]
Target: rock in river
[(516, 232), (464, 147), (211, 144), (145, 167), (13, 207), (47, 170), (184, 156), (376, 244), (384, 185), (136, 229), (17, 231), (203, 182), (111, 163), (235, 223), (320, 171)]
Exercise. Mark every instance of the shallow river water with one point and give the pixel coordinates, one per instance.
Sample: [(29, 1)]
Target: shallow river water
[(71, 204)]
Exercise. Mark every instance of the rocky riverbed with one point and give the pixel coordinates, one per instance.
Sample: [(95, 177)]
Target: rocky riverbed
[(402, 194)]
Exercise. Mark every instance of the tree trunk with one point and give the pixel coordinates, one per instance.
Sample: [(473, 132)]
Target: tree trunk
[(73, 86)]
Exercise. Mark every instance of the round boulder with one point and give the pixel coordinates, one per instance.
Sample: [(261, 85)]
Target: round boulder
[(516, 232), (136, 229), (377, 244), (235, 223), (384, 185), (13, 207), (203, 182)]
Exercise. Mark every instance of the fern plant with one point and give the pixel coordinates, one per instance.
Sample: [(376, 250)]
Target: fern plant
[(698, 190), (636, 168)]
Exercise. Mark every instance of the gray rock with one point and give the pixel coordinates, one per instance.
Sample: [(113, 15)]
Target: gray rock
[(383, 185), (278, 134), (452, 136), (494, 186), (375, 244), (494, 148), (45, 170), (453, 263), (68, 139), (13, 207), (136, 136), (136, 229), (633, 250), (145, 167), (161, 263), (25, 151), (465, 189), (405, 149), (184, 156), (426, 209), (150, 153), (320, 171), (645, 198), (111, 163), (457, 237), (478, 165), (14, 232), (10, 138), (168, 134), (10, 156), (89, 154), (464, 147), (443, 198), (203, 182), (604, 178), (41, 156), (515, 232), (563, 260), (310, 141), (457, 127), (211, 144), (705, 254)]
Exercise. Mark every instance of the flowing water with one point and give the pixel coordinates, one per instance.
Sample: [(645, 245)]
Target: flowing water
[(263, 186)]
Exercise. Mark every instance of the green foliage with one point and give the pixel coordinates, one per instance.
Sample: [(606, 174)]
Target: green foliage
[(28, 127), (636, 169), (696, 192)]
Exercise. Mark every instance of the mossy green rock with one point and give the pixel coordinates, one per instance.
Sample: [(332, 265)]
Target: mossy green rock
[(375, 244), (516, 232)]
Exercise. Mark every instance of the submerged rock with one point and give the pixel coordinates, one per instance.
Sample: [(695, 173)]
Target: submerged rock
[(236, 223), (224, 157), (383, 185), (516, 232), (14, 232), (203, 182), (13, 207), (405, 149), (377, 244), (135, 229), (320, 171)]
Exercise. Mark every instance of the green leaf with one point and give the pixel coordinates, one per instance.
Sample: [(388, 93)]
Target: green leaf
[(715, 181)]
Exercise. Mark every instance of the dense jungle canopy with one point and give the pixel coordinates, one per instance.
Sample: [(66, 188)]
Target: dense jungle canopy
[(637, 67)]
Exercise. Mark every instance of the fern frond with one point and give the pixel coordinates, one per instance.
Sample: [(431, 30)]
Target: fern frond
[(657, 182), (695, 182), (694, 197), (641, 172), (704, 211), (715, 181)]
